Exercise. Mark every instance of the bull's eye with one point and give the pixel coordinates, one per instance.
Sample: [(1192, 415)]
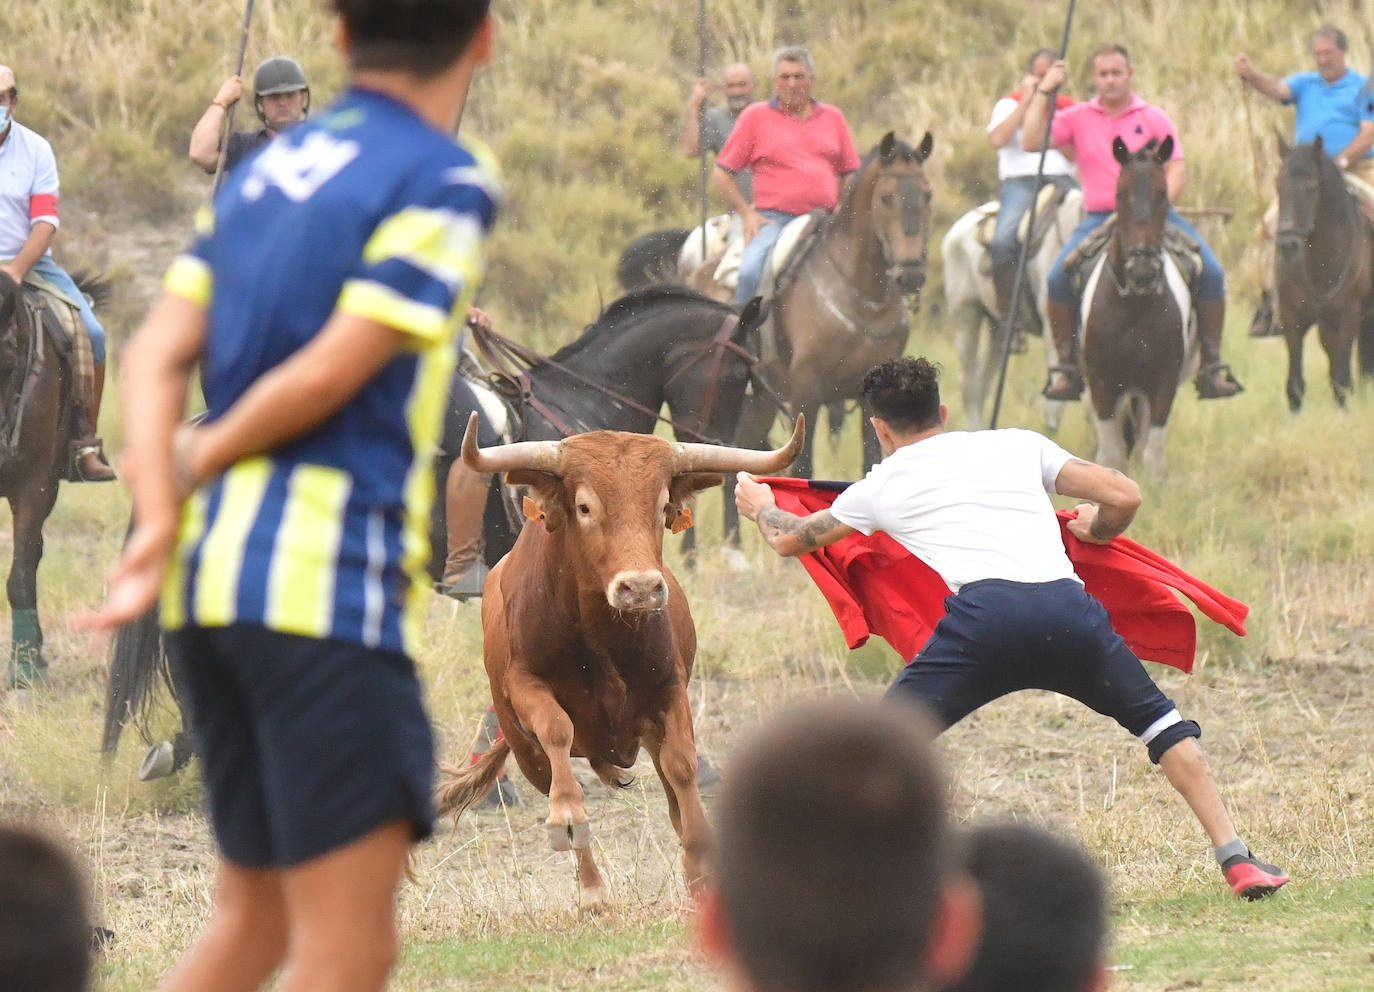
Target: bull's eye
[(584, 509)]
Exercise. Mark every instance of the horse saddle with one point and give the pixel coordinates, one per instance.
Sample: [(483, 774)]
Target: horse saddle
[(1047, 203), (1082, 259), (718, 230), (60, 319)]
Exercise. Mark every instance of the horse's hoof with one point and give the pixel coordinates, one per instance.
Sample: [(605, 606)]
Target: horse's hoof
[(157, 763), (593, 900), (569, 836)]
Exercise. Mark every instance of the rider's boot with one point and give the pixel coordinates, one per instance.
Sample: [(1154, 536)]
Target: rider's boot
[(90, 464), (1214, 378), (1066, 379), (465, 503), (1003, 280)]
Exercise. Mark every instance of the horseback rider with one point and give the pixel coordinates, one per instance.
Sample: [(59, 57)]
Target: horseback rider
[(1331, 103), (1017, 168), (28, 224), (281, 97), (714, 124), (1087, 130), (798, 151)]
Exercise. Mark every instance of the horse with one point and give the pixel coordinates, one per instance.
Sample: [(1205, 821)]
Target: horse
[(972, 300), (841, 306), (659, 345), (1323, 268), (36, 432), (1138, 325), (651, 259)]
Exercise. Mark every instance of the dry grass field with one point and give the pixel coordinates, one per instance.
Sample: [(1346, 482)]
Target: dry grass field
[(1274, 509)]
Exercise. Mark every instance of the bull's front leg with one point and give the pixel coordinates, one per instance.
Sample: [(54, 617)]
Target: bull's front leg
[(536, 708), (672, 745)]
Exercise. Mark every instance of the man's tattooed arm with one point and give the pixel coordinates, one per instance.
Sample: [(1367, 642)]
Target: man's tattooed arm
[(790, 535)]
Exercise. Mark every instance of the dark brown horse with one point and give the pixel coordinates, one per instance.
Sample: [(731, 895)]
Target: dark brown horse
[(1138, 339), (842, 308), (35, 438), (1323, 268)]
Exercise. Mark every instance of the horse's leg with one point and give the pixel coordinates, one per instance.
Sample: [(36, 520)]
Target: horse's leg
[(968, 322), (30, 508), (1337, 335), (873, 452), (1293, 333)]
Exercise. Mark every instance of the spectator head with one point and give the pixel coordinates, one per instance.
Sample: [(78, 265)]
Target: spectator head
[(45, 929), (1044, 913), (834, 867), (421, 37), (1329, 47), (739, 85)]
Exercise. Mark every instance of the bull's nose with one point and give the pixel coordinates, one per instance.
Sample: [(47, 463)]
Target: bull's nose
[(638, 592)]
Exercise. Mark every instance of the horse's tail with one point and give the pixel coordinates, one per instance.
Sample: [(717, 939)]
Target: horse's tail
[(98, 286), (136, 661), (466, 786), (1133, 412), (651, 258)]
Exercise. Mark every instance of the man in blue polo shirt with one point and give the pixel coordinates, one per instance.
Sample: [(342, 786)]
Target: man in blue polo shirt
[(288, 533), (1330, 103)]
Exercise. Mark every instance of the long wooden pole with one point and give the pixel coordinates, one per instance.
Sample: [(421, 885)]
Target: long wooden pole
[(229, 117), (1255, 179), (701, 118), (1010, 316)]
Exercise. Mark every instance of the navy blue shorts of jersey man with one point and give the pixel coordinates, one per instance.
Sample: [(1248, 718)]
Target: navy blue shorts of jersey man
[(976, 508), (287, 535)]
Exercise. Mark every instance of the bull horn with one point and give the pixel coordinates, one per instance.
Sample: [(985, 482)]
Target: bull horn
[(544, 456), (719, 458)]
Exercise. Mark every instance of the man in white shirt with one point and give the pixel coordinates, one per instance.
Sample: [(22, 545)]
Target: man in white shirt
[(975, 507), (1016, 168)]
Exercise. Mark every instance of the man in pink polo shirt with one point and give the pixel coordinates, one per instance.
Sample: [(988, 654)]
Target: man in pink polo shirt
[(798, 151), (1085, 131)]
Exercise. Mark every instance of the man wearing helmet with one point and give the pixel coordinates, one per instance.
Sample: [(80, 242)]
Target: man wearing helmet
[(281, 97)]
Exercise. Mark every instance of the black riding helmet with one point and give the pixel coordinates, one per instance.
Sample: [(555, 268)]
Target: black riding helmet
[(279, 74)]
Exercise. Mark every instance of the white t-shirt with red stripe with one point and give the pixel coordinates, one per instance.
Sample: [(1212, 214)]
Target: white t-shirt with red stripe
[(28, 187)]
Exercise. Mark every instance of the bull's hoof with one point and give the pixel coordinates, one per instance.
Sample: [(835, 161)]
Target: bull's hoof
[(594, 900), (158, 762), (570, 836)]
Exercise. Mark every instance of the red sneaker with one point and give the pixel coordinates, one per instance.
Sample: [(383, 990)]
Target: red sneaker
[(1251, 878)]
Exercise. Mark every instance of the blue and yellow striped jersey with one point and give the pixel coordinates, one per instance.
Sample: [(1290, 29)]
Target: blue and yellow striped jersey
[(367, 210)]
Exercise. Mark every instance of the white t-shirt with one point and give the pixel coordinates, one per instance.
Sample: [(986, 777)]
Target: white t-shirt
[(970, 505), (28, 187), (1014, 161)]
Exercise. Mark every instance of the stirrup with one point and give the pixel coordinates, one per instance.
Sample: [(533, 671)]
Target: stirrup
[(1207, 378), (1073, 383)]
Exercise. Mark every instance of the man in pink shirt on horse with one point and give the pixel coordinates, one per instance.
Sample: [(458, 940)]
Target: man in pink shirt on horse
[(1085, 131), (798, 151)]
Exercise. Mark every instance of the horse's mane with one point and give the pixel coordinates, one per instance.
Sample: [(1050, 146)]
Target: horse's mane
[(613, 319), (900, 148)]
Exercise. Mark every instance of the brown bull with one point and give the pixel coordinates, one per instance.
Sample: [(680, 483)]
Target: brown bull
[(589, 642)]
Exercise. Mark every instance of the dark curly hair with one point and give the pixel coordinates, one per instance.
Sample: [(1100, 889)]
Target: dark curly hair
[(422, 37), (903, 392)]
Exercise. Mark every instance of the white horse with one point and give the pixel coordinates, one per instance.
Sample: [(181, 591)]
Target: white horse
[(972, 301)]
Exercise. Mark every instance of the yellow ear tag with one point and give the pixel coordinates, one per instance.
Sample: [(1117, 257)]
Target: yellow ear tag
[(683, 520), (532, 511)]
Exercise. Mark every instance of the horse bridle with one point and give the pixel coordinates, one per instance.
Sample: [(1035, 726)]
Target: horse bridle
[(1155, 285)]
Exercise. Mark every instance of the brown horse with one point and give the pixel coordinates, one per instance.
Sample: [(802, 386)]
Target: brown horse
[(35, 439), (842, 307), (1323, 268), (1138, 322)]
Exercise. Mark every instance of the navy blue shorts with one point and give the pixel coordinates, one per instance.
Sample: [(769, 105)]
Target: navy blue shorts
[(305, 744), (997, 637)]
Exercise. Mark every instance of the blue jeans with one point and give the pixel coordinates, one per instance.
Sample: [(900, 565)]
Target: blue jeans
[(1018, 193), (1211, 284), (756, 255), (56, 275), (998, 637)]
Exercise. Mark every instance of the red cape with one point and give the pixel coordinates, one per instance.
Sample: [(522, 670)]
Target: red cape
[(875, 586)]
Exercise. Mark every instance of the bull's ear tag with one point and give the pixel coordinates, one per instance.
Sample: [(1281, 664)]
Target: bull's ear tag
[(683, 520), (533, 512)]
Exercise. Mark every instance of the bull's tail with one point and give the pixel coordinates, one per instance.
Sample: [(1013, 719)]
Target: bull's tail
[(465, 786), (136, 661)]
